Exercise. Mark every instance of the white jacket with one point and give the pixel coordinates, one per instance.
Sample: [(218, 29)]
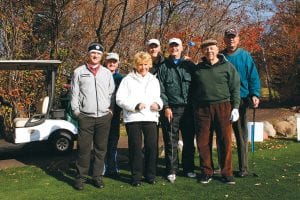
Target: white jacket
[(135, 89)]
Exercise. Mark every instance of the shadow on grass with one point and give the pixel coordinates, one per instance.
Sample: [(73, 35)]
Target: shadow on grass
[(61, 167)]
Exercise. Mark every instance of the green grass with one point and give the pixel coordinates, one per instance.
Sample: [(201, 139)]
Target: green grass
[(276, 162), (265, 93)]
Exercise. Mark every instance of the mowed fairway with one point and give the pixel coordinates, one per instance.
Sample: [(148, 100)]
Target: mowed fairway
[(276, 164)]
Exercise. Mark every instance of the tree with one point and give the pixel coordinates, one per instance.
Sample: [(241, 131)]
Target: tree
[(282, 47)]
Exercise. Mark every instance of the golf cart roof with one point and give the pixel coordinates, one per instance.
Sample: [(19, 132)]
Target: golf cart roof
[(29, 64)]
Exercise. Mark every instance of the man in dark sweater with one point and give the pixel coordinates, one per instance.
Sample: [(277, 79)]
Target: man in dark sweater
[(175, 78), (216, 98)]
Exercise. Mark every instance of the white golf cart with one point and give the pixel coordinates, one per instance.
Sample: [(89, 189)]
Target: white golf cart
[(46, 124)]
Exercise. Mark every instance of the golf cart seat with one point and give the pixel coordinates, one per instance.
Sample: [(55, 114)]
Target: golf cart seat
[(36, 119)]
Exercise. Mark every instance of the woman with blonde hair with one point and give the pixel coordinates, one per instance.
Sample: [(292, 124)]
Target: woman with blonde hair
[(139, 97)]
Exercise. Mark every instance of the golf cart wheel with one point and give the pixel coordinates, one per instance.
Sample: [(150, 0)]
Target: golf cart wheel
[(62, 143)]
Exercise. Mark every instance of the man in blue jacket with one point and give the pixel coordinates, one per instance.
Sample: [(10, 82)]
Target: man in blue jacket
[(249, 92)]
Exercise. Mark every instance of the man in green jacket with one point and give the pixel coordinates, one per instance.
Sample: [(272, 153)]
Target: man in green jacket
[(216, 98), (175, 79)]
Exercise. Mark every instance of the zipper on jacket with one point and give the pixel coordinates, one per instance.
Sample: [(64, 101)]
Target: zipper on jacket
[(96, 93)]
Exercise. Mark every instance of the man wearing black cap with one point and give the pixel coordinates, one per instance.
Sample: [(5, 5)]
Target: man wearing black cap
[(250, 92), (92, 101), (215, 98), (175, 79)]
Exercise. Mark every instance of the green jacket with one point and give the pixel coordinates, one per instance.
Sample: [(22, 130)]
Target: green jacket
[(175, 80), (216, 83)]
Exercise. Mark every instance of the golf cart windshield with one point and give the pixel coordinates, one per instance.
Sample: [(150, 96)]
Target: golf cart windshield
[(46, 68)]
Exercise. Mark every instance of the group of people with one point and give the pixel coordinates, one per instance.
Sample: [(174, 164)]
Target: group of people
[(195, 100)]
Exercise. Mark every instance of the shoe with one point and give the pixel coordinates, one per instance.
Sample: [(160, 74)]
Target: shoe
[(136, 183), (151, 181), (228, 180), (79, 184), (205, 178), (98, 183), (242, 174), (171, 178), (217, 171), (191, 174)]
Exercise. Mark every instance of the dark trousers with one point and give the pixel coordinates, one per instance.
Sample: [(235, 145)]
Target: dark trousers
[(183, 121), (218, 116), (2, 128), (92, 131), (140, 157), (241, 135), (111, 164)]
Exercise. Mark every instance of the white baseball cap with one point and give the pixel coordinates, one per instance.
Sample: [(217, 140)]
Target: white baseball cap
[(175, 40), (112, 56), (153, 41)]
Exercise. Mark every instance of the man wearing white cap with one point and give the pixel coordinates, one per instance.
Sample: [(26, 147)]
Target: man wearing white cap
[(175, 79), (92, 100), (153, 48), (112, 61)]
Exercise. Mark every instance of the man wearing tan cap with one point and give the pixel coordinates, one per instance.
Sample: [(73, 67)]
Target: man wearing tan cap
[(215, 99)]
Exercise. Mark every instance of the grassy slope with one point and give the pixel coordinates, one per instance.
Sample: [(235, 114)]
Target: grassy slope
[(277, 164)]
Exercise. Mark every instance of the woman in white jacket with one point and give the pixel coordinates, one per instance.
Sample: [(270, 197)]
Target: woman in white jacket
[(139, 97)]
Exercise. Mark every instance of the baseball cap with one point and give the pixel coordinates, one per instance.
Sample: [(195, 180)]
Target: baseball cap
[(175, 40), (95, 47), (112, 56), (231, 31), (153, 41)]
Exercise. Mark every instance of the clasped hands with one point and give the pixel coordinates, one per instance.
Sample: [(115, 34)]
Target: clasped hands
[(153, 107)]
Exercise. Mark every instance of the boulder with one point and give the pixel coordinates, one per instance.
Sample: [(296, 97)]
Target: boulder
[(269, 130), (285, 128)]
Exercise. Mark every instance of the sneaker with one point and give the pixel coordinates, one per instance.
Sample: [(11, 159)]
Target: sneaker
[(136, 183), (205, 179), (151, 181), (191, 174), (171, 178), (242, 174), (79, 184), (228, 180), (98, 183)]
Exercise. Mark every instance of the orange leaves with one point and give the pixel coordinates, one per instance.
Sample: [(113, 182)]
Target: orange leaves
[(16, 93), (250, 37)]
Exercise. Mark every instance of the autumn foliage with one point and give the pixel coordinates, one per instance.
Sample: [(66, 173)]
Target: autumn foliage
[(62, 29)]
